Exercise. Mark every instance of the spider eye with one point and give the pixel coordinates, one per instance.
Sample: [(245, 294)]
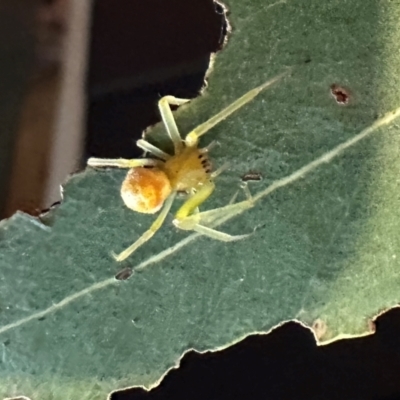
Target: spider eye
[(145, 189)]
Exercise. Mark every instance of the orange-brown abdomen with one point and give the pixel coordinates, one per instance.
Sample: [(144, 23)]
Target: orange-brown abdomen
[(145, 189)]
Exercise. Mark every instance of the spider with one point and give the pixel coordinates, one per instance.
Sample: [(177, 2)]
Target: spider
[(152, 184)]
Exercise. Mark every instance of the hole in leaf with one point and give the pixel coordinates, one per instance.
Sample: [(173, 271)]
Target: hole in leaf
[(251, 176), (124, 274), (340, 94)]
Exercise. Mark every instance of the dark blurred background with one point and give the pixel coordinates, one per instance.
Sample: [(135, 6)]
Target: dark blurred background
[(115, 63), (32, 38), (82, 79)]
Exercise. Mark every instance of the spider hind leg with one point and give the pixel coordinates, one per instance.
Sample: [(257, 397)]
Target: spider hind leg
[(204, 222), (156, 225)]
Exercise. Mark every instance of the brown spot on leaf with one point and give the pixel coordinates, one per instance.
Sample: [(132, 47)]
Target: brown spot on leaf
[(319, 327), (341, 94), (124, 274), (251, 176), (371, 326)]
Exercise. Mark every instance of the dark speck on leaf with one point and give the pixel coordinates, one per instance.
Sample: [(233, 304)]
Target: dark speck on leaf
[(340, 94), (124, 274), (251, 176)]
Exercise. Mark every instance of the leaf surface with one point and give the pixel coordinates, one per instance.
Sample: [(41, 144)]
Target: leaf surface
[(326, 245)]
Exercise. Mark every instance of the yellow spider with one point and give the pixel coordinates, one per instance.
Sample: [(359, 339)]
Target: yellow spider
[(152, 183)]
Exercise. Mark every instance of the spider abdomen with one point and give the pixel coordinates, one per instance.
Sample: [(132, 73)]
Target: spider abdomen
[(145, 189)]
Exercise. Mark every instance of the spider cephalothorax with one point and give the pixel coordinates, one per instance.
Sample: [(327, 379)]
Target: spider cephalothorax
[(151, 184)]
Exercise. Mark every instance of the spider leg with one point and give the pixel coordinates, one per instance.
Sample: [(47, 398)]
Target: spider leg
[(192, 137), (188, 214), (218, 235), (169, 121), (122, 162), (209, 147), (221, 214), (220, 170), (155, 226), (203, 222), (196, 210), (186, 217), (217, 215), (234, 197), (150, 148)]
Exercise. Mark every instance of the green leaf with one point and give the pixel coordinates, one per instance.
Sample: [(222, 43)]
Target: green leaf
[(326, 247)]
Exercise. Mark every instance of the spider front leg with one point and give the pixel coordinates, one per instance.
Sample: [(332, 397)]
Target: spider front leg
[(169, 121), (187, 220), (122, 162), (150, 148), (192, 137)]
